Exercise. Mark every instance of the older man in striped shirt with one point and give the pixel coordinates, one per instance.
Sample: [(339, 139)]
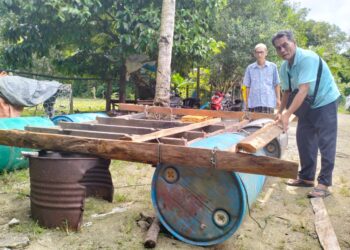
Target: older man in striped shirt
[(262, 83)]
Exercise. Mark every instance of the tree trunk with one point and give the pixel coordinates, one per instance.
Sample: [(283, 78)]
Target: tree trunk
[(108, 95), (162, 97), (198, 81), (122, 84)]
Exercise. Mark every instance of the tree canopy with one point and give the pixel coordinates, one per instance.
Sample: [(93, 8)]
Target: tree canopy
[(95, 37)]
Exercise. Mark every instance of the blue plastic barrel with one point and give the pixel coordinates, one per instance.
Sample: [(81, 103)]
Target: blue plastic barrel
[(81, 117), (11, 157), (202, 206)]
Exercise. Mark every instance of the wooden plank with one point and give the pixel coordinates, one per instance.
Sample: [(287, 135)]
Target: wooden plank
[(130, 116), (196, 135), (152, 153), (140, 123), (106, 128), (324, 228), (213, 128), (172, 131), (190, 135), (173, 141), (234, 126), (74, 132), (201, 112), (261, 137)]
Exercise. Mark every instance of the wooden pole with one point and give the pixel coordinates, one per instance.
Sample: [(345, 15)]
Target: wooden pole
[(152, 153), (152, 234)]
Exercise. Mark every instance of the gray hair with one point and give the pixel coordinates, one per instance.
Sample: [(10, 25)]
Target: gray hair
[(260, 45), (284, 33)]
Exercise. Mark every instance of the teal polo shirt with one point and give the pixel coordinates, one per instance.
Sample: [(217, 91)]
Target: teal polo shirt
[(304, 70)]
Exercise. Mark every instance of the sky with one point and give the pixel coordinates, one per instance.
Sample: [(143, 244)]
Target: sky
[(331, 11)]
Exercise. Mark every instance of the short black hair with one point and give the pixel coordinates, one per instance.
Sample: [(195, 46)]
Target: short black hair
[(282, 33)]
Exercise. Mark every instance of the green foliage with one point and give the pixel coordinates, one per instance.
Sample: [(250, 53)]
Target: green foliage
[(188, 85), (344, 89), (94, 38), (242, 25)]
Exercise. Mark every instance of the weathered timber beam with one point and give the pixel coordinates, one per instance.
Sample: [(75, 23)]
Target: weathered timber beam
[(130, 116), (229, 127), (106, 128), (74, 132), (173, 141), (151, 153), (261, 137), (140, 122), (213, 128), (97, 134), (324, 228), (172, 131), (190, 135), (202, 112)]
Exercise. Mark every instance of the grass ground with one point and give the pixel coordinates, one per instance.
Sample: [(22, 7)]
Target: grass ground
[(80, 105)]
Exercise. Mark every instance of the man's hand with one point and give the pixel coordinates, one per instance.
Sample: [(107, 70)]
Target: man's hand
[(278, 117), (282, 120), (285, 120), (278, 103)]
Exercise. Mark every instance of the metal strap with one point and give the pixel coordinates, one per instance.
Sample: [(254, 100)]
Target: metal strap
[(213, 159)]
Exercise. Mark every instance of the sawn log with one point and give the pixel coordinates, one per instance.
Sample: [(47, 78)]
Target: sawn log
[(152, 153), (261, 137)]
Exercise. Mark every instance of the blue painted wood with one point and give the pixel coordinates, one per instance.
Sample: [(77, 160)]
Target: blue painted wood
[(204, 206), (11, 157)]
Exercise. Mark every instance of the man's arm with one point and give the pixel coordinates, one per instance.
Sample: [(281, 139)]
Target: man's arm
[(283, 105), (247, 96), (297, 101), (278, 95)]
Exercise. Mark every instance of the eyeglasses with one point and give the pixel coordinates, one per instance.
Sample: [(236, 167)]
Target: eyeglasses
[(259, 52), (285, 45)]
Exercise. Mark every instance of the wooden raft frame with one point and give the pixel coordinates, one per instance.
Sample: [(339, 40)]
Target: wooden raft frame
[(153, 141)]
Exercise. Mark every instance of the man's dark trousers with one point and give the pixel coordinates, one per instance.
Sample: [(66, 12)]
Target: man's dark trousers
[(318, 130)]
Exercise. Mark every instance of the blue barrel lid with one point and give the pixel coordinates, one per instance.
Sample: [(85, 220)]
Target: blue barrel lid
[(202, 206)]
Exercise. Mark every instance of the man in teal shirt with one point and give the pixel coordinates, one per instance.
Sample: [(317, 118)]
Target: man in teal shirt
[(316, 130)]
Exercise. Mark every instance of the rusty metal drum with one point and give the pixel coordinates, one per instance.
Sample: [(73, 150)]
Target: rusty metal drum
[(203, 206), (59, 183)]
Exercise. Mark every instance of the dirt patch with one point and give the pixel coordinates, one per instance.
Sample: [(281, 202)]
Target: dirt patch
[(282, 218)]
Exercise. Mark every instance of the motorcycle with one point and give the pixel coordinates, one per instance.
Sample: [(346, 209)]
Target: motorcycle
[(216, 101), (220, 101), (175, 100)]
